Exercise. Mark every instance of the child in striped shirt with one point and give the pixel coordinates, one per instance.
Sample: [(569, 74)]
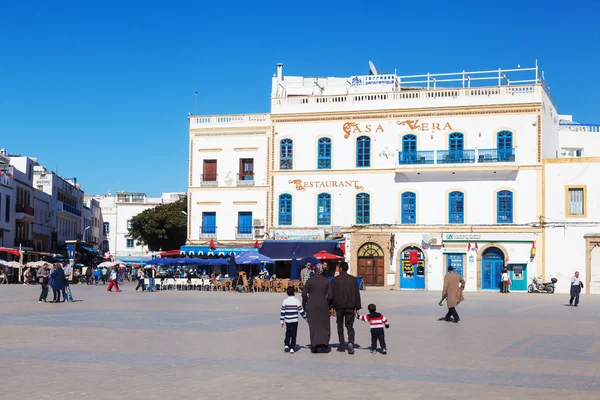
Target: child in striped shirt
[(290, 308), (377, 322)]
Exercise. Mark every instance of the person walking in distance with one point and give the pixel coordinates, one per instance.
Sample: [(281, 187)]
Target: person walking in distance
[(345, 303), (290, 308), (104, 274), (88, 276), (42, 276), (454, 285), (576, 286), (57, 281), (140, 277), (504, 276), (113, 280), (151, 279)]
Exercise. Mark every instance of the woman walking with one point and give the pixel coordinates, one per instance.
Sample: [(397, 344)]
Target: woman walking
[(141, 277), (315, 295), (113, 280), (57, 282)]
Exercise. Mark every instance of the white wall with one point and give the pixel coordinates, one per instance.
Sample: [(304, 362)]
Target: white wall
[(579, 139), (565, 243), (550, 135)]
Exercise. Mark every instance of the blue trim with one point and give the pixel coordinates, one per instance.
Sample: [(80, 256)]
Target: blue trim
[(363, 209), (286, 154), (285, 209), (324, 153), (504, 207), (456, 141), (363, 152), (456, 208), (324, 209), (409, 208)]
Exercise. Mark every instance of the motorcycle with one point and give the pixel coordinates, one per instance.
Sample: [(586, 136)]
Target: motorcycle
[(538, 287)]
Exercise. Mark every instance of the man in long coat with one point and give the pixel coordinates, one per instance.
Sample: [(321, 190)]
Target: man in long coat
[(315, 295), (454, 285)]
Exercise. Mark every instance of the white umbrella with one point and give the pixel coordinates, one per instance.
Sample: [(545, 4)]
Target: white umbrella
[(2, 262), (14, 264), (36, 263), (105, 264)]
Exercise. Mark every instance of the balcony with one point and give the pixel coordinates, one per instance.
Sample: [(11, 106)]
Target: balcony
[(476, 156), (243, 232), (70, 210), (209, 180), (416, 157), (22, 209), (246, 179), (208, 232), (455, 156)]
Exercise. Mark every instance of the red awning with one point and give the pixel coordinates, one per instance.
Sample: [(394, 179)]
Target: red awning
[(170, 253), (343, 248), (323, 255), (10, 251)]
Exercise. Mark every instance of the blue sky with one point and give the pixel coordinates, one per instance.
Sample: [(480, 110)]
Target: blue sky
[(102, 89)]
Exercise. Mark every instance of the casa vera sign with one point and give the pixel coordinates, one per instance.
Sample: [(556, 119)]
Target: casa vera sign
[(303, 185), (350, 128)]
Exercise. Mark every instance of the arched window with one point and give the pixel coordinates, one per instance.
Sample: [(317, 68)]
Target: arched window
[(504, 142), (456, 141), (363, 152), (363, 209), (409, 208), (324, 151), (409, 149), (456, 208), (286, 155), (285, 209), (504, 207), (324, 209)]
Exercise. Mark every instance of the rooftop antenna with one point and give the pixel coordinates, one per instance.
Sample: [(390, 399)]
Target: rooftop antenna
[(195, 103), (372, 68)]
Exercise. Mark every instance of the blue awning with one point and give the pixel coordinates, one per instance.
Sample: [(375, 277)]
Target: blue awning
[(206, 251), (88, 249), (283, 250)]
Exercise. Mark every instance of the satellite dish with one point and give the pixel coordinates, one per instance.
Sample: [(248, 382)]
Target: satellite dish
[(372, 68)]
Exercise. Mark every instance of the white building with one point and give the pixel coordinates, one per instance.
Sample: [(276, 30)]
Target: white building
[(417, 173), (116, 213), (7, 199)]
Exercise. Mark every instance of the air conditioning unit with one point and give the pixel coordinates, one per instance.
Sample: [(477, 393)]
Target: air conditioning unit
[(259, 223), (426, 239), (259, 233), (434, 241)]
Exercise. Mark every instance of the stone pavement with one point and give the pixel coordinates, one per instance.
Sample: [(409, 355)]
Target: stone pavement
[(190, 345)]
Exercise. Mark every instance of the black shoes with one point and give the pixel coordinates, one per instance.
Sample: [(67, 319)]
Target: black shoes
[(341, 349)]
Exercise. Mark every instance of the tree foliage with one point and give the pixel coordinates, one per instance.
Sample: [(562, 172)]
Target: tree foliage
[(162, 227)]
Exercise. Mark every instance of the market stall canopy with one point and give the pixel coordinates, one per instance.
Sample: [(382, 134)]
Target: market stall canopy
[(14, 252), (289, 249), (206, 251), (252, 257)]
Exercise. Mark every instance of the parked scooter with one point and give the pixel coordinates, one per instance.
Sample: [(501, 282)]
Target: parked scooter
[(538, 287)]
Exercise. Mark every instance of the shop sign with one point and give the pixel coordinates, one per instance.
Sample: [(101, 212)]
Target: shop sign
[(354, 127), (372, 80), (303, 185), (44, 182), (415, 125), (488, 237), (316, 234)]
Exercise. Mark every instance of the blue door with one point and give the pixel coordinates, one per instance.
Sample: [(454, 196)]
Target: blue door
[(492, 264), (456, 261), (413, 269)]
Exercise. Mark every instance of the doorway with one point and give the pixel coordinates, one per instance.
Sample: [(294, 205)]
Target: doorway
[(412, 262), (492, 264), (457, 261), (371, 264)]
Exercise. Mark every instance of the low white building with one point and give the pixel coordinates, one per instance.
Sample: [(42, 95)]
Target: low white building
[(116, 213)]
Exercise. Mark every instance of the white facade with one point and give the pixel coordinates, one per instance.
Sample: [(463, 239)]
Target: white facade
[(579, 140), (116, 212), (397, 165), (7, 200)]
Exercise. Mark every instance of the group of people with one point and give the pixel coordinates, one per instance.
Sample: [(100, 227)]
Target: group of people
[(321, 300), (55, 276)]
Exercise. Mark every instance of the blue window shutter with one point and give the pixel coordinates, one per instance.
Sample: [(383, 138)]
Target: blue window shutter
[(409, 208), (324, 153), (286, 155), (504, 207), (209, 222), (363, 152), (245, 222), (363, 209), (324, 209), (456, 208), (285, 209)]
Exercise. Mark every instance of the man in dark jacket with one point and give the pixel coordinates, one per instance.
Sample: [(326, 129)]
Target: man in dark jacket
[(345, 302)]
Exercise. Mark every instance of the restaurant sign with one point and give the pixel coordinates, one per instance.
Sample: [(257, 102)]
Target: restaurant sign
[(303, 185), (488, 237)]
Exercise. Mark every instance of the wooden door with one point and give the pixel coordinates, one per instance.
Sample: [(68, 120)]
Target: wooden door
[(365, 269), (379, 271), (209, 171)]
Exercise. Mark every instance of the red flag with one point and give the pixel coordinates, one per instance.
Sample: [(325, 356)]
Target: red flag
[(469, 247), (211, 244), (414, 257), (256, 245), (476, 247)]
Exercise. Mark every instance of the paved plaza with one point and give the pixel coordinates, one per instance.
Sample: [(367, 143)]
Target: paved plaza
[(191, 345)]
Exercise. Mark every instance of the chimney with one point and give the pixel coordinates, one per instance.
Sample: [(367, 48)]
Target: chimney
[(279, 72)]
